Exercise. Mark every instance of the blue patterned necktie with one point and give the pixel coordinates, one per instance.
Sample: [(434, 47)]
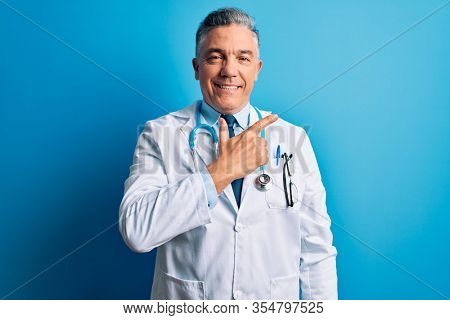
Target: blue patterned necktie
[(236, 184)]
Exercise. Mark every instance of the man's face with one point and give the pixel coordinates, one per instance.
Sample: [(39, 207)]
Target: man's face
[(227, 66)]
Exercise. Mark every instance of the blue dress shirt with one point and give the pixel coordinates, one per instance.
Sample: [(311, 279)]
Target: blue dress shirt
[(211, 117)]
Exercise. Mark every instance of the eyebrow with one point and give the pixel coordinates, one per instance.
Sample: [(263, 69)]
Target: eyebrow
[(221, 51), (249, 52)]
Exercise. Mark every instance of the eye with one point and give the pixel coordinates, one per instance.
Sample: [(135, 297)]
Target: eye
[(214, 59), (244, 59)]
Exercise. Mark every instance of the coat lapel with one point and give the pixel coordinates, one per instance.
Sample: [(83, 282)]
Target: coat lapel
[(248, 186), (204, 146)]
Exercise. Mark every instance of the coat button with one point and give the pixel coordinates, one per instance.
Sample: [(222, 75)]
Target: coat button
[(238, 227)]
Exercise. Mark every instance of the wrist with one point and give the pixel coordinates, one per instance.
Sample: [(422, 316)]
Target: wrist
[(221, 176)]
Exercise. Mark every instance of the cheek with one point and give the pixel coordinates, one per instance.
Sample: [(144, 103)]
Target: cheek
[(205, 79), (250, 77), (207, 72), (250, 81)]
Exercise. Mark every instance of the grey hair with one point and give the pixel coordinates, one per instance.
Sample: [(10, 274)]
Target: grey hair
[(224, 17)]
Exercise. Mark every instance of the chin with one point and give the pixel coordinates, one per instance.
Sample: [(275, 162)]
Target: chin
[(229, 107)]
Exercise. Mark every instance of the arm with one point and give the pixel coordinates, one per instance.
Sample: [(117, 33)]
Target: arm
[(318, 261), (153, 211)]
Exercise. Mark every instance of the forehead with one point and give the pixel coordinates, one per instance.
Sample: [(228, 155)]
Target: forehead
[(230, 37)]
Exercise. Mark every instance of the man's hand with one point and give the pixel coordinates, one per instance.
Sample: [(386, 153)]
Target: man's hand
[(241, 154)]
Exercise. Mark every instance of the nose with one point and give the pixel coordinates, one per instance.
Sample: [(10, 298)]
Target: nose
[(229, 69)]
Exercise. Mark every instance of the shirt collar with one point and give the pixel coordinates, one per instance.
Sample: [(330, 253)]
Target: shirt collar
[(211, 116)]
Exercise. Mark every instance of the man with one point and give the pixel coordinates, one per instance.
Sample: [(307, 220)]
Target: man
[(219, 233)]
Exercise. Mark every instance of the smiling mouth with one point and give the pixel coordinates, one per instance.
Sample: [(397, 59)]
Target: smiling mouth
[(230, 88)]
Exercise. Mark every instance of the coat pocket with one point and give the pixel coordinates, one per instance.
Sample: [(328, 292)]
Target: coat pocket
[(285, 288), (169, 287), (276, 196)]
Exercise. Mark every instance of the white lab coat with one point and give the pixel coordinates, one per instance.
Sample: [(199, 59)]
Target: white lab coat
[(263, 250)]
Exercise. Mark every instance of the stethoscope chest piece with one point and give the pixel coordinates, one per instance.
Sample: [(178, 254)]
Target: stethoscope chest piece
[(263, 182)]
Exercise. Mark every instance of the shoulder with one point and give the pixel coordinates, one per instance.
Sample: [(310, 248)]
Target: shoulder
[(284, 124), (173, 119)]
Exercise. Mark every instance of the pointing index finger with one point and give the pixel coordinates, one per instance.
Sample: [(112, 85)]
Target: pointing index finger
[(264, 122)]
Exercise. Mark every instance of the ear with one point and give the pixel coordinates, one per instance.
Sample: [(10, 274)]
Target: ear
[(258, 67), (195, 66)]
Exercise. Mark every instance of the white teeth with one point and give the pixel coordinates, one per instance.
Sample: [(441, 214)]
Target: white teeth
[(227, 87)]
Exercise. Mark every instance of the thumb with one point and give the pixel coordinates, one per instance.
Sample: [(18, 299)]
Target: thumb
[(223, 133)]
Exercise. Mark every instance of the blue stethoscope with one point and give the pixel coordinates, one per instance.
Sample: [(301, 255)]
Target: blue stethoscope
[(263, 181)]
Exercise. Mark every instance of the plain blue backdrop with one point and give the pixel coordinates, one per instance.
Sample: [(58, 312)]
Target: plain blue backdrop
[(79, 78)]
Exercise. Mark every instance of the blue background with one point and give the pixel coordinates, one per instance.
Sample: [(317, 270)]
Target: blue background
[(69, 127)]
